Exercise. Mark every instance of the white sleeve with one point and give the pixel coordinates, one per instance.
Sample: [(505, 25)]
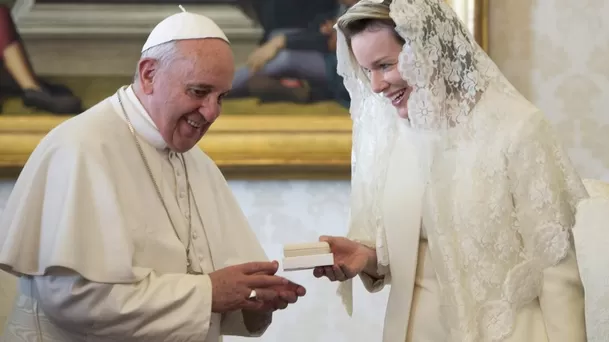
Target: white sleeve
[(173, 307), (373, 284)]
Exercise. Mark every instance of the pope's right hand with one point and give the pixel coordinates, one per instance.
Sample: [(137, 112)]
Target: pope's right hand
[(232, 286), (350, 259)]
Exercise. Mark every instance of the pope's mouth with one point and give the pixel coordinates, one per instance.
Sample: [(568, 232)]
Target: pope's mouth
[(195, 124), (193, 128)]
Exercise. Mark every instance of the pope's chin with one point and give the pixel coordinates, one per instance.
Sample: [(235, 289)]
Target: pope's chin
[(185, 136)]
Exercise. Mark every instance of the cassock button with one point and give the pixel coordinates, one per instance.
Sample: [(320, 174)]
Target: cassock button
[(182, 194), (200, 257), (195, 236)]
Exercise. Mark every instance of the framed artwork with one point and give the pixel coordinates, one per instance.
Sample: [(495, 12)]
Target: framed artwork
[(271, 141), (474, 13), (142, 2)]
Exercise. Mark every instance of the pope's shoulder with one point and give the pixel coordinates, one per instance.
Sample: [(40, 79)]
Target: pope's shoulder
[(98, 126)]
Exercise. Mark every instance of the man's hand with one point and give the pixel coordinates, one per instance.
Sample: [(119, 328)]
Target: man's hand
[(286, 294), (231, 286), (262, 55)]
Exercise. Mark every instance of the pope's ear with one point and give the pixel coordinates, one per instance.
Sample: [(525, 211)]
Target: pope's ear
[(147, 68)]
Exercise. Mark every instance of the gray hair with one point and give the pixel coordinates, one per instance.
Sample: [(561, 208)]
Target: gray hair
[(164, 54)]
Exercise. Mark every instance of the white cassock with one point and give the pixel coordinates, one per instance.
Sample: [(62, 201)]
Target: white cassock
[(98, 259)]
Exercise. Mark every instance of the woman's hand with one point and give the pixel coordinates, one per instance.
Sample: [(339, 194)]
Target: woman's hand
[(350, 259)]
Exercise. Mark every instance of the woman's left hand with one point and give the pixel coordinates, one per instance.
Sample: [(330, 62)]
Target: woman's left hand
[(350, 259)]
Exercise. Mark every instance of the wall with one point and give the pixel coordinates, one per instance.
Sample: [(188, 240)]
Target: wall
[(556, 53)]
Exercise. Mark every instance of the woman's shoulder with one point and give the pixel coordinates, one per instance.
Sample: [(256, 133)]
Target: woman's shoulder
[(510, 115)]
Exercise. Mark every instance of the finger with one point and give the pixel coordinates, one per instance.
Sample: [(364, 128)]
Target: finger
[(265, 267), (255, 305), (297, 289), (266, 273), (262, 306), (318, 272), (256, 281), (288, 296), (338, 272), (280, 305), (294, 288), (323, 272), (326, 238), (347, 272), (266, 295), (330, 273), (292, 285)]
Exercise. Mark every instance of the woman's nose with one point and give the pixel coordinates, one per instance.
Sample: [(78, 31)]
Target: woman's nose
[(377, 82)]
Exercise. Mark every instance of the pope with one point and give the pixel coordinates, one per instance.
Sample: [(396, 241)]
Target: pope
[(121, 229)]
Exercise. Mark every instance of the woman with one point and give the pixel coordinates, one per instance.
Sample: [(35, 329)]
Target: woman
[(34, 92), (462, 198)]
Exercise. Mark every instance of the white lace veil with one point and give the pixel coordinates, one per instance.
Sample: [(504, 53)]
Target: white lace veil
[(448, 71)]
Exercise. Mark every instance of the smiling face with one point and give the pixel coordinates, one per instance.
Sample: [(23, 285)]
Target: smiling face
[(184, 96), (377, 51)]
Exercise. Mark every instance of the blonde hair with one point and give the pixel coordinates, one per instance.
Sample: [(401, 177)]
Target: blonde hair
[(366, 15)]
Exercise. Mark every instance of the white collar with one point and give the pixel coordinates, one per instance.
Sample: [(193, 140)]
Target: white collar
[(140, 119)]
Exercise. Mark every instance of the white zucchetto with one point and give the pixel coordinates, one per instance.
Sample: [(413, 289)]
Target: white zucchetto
[(182, 26)]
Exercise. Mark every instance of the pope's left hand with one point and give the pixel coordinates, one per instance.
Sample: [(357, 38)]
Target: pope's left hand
[(287, 294)]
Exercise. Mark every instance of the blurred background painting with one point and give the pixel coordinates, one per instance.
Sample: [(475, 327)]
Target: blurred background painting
[(60, 57)]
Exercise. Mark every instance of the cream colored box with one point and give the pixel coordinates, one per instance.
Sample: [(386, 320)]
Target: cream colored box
[(305, 256)]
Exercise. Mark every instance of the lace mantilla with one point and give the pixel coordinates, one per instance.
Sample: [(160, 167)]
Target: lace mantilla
[(500, 193)]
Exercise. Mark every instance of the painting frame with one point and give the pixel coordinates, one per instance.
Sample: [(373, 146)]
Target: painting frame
[(246, 146), (243, 147)]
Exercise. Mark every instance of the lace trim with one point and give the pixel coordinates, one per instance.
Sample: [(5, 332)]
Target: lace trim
[(523, 283)]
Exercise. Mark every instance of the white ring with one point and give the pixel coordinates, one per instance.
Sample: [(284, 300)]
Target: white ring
[(252, 295)]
